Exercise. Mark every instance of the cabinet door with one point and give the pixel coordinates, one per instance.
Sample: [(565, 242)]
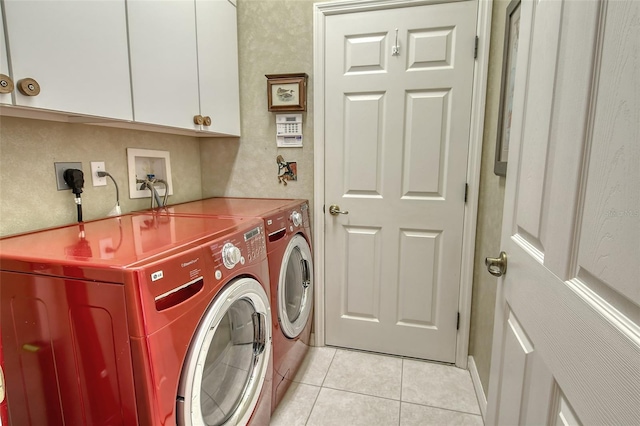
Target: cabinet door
[(218, 65), (75, 50), (5, 98), (164, 62)]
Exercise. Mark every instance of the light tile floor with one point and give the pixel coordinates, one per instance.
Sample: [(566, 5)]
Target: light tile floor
[(337, 387)]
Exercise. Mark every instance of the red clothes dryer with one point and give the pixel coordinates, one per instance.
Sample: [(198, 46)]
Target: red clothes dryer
[(137, 320), (288, 228)]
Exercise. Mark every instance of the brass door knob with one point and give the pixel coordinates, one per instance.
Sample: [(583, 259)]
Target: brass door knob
[(198, 119), (335, 210), (497, 266), (6, 84), (29, 87), (207, 120)]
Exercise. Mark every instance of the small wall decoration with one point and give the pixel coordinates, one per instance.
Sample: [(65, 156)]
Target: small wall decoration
[(512, 32), (286, 170), (287, 92)]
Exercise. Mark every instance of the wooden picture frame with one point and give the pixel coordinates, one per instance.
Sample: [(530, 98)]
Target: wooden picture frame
[(512, 33), (287, 92)]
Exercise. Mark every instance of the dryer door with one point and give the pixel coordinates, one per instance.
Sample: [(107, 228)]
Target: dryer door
[(295, 288), (228, 359)]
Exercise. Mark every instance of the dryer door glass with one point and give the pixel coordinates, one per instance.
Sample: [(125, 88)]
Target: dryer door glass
[(295, 289), (228, 359)]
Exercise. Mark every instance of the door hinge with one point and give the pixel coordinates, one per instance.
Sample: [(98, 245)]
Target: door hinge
[(466, 191), (475, 49), (458, 323)]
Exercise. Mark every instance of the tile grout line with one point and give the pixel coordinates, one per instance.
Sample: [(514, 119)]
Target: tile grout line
[(313, 405), (362, 394), (443, 408), (328, 368), (321, 386), (400, 401)]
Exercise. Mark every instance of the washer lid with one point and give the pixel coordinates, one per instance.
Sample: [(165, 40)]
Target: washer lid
[(111, 244)]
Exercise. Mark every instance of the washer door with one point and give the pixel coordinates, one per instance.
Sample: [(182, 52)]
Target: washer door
[(227, 362), (295, 288)]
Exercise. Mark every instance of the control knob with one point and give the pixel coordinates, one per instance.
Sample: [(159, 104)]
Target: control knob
[(296, 218), (231, 255)]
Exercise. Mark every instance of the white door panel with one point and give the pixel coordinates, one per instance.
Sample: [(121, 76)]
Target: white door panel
[(164, 72), (397, 134), (567, 328), (217, 33)]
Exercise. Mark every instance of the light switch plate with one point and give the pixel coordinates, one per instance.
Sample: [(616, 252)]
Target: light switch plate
[(60, 168)]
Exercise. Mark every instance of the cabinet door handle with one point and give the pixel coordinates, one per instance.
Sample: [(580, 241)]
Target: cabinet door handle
[(198, 119), (207, 120), (6, 84), (29, 87)]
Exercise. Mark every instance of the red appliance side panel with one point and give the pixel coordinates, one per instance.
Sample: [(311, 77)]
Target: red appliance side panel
[(67, 353), (4, 414)]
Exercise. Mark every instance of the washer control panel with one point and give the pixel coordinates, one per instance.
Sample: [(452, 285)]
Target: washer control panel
[(237, 250), (255, 243)]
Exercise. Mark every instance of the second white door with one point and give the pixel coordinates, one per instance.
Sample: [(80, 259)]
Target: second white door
[(398, 103)]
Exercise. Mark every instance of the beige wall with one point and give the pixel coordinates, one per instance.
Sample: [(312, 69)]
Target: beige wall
[(29, 198), (274, 37), (489, 210)]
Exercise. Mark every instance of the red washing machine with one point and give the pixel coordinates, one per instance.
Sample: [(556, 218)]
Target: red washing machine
[(290, 271), (138, 320)]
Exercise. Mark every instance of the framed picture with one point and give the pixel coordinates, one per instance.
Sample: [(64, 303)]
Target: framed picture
[(287, 92), (512, 33)]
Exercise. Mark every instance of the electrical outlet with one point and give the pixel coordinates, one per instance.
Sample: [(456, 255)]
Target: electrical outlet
[(98, 166), (60, 168)]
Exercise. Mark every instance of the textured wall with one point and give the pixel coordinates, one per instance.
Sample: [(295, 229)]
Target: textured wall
[(489, 209), (29, 198), (274, 37)]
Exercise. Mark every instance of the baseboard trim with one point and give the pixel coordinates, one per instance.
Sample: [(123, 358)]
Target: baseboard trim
[(477, 385)]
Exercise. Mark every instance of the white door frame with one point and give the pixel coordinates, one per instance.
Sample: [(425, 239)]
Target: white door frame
[(479, 91)]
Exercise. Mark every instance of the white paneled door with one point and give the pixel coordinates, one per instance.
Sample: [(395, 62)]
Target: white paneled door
[(566, 345), (398, 85)]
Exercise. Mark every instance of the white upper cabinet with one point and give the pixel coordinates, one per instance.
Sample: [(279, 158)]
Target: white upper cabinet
[(218, 65), (164, 62), (184, 64), (6, 82), (75, 51)]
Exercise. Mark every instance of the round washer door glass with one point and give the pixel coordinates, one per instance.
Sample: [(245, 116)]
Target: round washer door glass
[(226, 364), (295, 288)]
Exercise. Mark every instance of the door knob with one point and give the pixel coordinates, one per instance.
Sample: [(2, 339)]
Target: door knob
[(335, 210), (497, 266), (198, 119)]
